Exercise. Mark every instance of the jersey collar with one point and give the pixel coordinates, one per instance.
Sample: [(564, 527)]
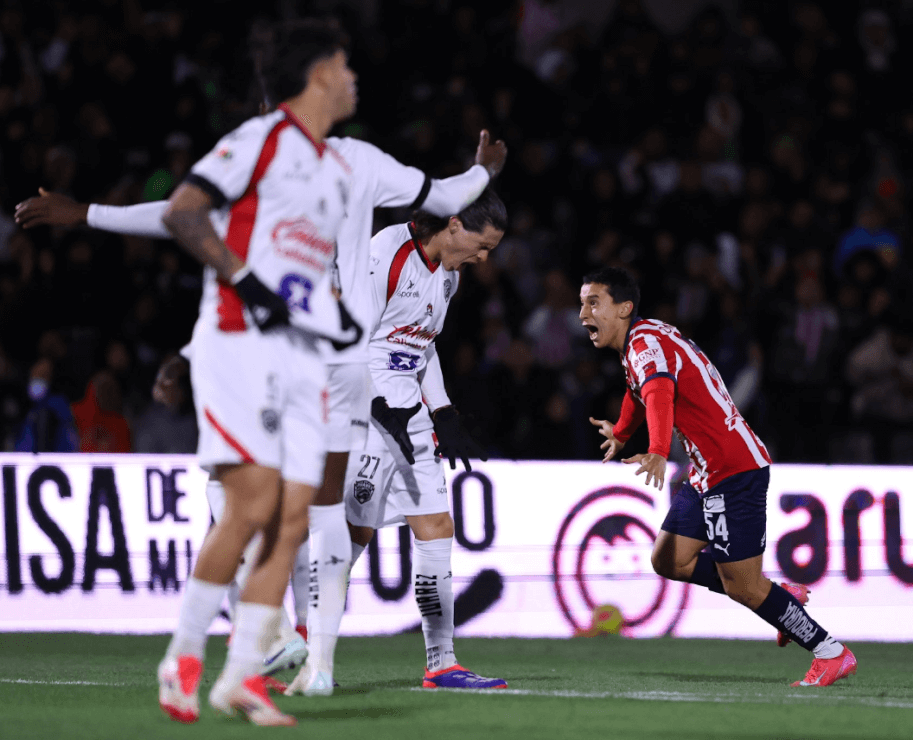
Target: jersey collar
[(319, 146), (624, 350), (432, 266)]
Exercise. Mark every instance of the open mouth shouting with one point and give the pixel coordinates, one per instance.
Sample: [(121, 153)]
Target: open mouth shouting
[(592, 329)]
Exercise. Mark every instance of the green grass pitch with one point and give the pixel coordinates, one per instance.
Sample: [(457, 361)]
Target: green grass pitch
[(75, 686)]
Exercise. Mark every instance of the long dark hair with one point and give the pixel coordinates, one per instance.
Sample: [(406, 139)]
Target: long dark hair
[(488, 208)]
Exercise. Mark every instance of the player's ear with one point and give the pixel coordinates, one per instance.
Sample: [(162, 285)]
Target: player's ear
[(454, 224)]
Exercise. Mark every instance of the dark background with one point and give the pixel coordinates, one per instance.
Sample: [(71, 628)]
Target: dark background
[(747, 161)]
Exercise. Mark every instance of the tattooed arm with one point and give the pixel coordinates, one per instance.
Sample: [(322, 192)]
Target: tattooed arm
[(187, 218)]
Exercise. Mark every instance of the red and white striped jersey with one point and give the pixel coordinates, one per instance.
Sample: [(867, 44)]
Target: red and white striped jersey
[(716, 437), (411, 295), (282, 198)]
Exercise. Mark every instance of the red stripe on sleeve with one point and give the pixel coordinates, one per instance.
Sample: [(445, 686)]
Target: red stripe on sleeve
[(396, 267), (241, 227), (659, 398), (227, 436)]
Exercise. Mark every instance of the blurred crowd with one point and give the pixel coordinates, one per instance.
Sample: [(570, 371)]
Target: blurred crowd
[(749, 165)]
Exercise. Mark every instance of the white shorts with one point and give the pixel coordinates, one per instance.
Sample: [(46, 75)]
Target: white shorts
[(350, 407), (382, 488), (260, 398)]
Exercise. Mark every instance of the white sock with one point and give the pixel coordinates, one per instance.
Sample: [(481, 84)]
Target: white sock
[(357, 550), (330, 554), (828, 648), (255, 627), (199, 606), (301, 581), (433, 583)]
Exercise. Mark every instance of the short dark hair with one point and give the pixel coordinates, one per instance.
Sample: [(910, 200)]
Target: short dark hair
[(488, 208), (296, 46), (619, 283)]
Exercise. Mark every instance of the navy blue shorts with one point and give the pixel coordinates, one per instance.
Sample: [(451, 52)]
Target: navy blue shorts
[(731, 517)]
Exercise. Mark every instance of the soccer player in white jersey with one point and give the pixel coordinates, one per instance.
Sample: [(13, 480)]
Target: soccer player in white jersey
[(673, 385), (258, 373), (378, 180), (415, 273)]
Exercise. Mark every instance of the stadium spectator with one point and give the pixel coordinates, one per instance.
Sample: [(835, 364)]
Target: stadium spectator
[(803, 368), (552, 326), (48, 425), (869, 234), (169, 425), (99, 421), (881, 373)]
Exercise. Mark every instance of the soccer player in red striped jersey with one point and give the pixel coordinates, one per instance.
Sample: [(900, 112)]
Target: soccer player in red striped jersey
[(715, 532)]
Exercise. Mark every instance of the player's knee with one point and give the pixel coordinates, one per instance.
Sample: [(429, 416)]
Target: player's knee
[(293, 528), (247, 520), (663, 566), (443, 526), (432, 526)]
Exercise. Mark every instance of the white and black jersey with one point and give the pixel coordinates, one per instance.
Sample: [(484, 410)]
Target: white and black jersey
[(410, 296)]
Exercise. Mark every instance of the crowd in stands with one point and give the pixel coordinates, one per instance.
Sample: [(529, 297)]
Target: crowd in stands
[(750, 167)]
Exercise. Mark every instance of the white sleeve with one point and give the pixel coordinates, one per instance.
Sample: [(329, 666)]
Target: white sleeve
[(395, 184), (143, 219), (226, 171), (432, 381), (377, 292), (398, 185), (451, 195)]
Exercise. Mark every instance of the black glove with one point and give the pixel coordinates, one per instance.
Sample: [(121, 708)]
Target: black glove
[(347, 322), (268, 309), (395, 422), (454, 439)]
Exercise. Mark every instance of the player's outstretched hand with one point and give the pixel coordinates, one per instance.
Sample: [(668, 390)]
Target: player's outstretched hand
[(652, 464), (396, 421), (454, 440), (267, 308), (50, 209), (611, 445), (491, 156)]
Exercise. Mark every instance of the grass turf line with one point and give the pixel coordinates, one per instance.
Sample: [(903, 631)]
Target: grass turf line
[(639, 689)]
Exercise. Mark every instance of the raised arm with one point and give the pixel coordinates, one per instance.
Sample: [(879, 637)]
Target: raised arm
[(398, 185)]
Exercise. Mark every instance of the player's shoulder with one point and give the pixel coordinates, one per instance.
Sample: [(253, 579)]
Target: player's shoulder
[(648, 333), (387, 242), (352, 148), (362, 156), (654, 327), (253, 129)]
